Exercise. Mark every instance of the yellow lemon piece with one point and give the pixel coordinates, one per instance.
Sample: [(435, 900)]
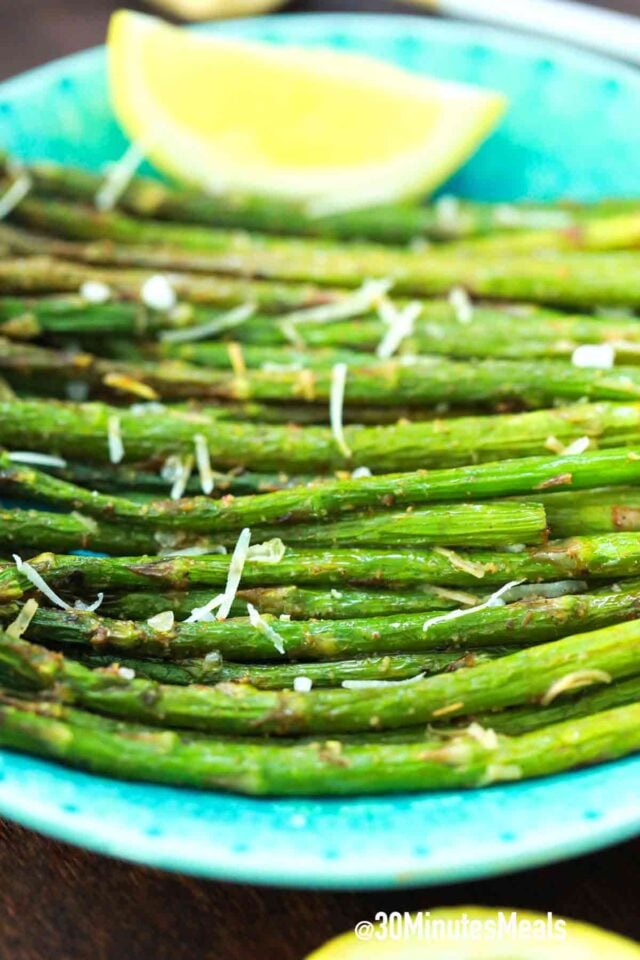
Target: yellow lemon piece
[(335, 129), (477, 933)]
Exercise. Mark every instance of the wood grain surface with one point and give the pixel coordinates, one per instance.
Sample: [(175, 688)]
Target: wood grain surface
[(59, 903)]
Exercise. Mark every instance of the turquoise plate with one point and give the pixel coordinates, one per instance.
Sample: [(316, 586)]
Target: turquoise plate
[(572, 129)]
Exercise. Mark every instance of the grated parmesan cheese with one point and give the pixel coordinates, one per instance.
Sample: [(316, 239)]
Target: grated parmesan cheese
[(302, 684), (360, 472), (236, 567), (495, 600), (38, 582), (447, 210), (203, 461), (126, 673), (205, 614), (600, 356), (95, 291), (401, 325), (336, 406), (271, 551), (261, 624), (118, 178), (162, 622), (36, 459), (183, 472), (578, 446), (461, 304), (15, 194), (204, 331), (485, 737), (363, 299), (559, 588), (89, 607), (574, 681), (471, 567), (158, 294), (114, 437), (380, 684), (19, 626)]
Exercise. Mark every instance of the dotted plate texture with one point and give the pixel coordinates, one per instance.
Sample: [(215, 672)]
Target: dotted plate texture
[(571, 130)]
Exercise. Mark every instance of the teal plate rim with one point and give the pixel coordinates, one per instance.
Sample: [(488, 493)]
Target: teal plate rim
[(391, 841)]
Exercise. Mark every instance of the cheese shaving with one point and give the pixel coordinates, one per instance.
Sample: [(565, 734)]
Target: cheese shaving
[(158, 294), (236, 359), (89, 607), (261, 624), (447, 210), (486, 738), (19, 626), (380, 684), (118, 178), (600, 356), (495, 600), (95, 292), (578, 446), (363, 299), (461, 304), (271, 551), (114, 437), (15, 194), (302, 684), (183, 472), (36, 459), (162, 622), (360, 472), (336, 406), (574, 681), (236, 567), (38, 582), (205, 331), (458, 595), (127, 384), (471, 567), (559, 588), (205, 614), (401, 326), (126, 673), (203, 461)]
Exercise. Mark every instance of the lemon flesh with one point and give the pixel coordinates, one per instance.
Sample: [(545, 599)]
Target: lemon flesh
[(540, 938), (309, 125)]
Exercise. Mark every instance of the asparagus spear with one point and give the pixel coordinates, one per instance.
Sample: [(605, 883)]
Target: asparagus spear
[(519, 623), (603, 557), (422, 382), (35, 529), (282, 676), (296, 602), (80, 431), (613, 652), (93, 743), (592, 511), (565, 280), (328, 499)]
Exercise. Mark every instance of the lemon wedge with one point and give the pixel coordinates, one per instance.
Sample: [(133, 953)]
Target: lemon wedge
[(335, 129), (534, 937)]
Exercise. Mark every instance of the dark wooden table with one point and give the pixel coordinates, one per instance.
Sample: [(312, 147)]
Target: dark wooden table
[(58, 903)]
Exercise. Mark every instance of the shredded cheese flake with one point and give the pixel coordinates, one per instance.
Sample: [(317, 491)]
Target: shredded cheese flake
[(236, 567), (118, 178), (447, 210), (600, 356), (36, 459), (471, 567), (236, 359), (362, 300), (559, 588), (127, 384), (401, 325), (126, 673), (487, 738), (90, 607), (203, 461), (271, 551), (336, 406), (22, 621), (495, 600), (205, 331), (158, 294), (302, 684), (574, 681), (261, 624), (162, 622), (15, 194), (578, 446), (183, 472), (114, 437), (461, 304), (458, 595), (205, 614), (380, 684), (38, 582), (95, 292), (360, 472)]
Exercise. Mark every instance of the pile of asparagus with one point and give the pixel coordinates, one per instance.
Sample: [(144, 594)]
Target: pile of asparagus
[(298, 504)]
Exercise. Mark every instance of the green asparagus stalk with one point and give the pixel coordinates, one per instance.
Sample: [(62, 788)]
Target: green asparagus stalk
[(35, 530), (524, 622), (423, 382), (592, 511), (295, 602), (620, 231), (80, 431), (530, 674), (332, 673), (604, 557), (570, 279), (322, 501)]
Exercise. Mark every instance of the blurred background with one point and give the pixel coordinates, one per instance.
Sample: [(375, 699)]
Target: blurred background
[(46, 29)]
